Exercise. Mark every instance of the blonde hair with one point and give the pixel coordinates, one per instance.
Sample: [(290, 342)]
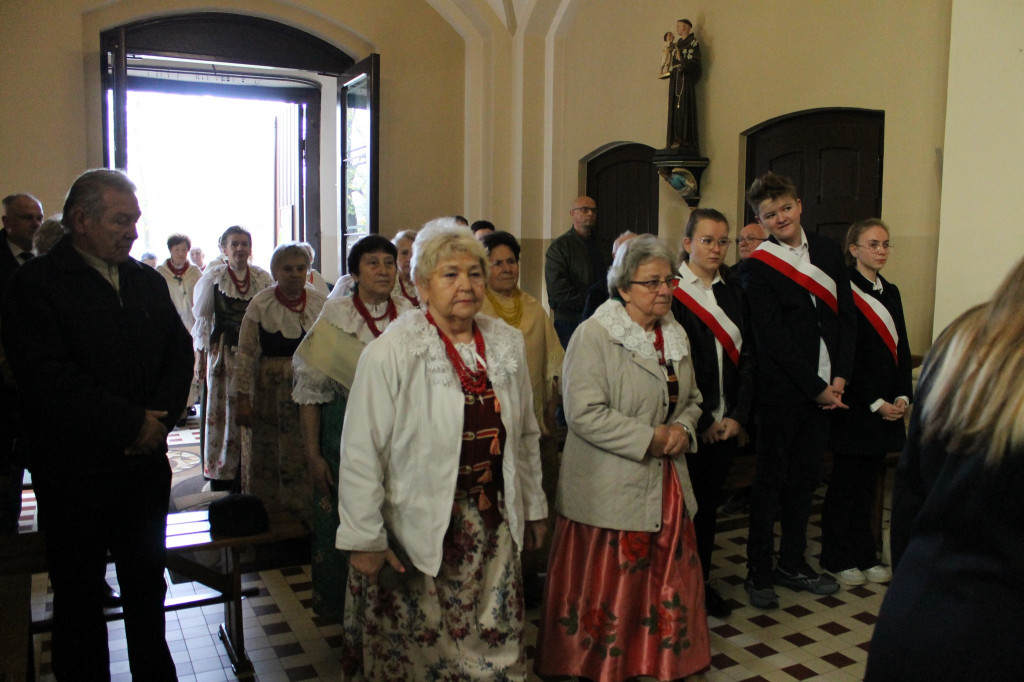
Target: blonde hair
[(439, 239), (975, 399)]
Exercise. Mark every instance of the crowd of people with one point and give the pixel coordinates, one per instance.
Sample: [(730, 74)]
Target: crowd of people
[(458, 453)]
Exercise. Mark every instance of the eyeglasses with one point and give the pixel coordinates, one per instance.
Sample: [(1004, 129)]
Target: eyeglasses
[(709, 242), (654, 285), (586, 209), (877, 246), (742, 241)]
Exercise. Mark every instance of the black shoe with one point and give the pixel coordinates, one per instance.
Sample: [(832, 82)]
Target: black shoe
[(715, 604), (759, 588), (111, 599), (805, 578)]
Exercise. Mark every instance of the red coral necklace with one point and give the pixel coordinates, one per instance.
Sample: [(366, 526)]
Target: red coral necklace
[(391, 312), (473, 383), (412, 299), (297, 305), (242, 284), (177, 272)]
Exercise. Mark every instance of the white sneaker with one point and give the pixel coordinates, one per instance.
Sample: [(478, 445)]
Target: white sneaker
[(851, 576), (878, 574)]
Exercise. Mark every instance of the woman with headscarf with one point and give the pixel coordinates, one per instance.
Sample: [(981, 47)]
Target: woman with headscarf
[(440, 464)]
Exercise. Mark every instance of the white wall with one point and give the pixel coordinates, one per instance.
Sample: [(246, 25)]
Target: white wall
[(980, 234)]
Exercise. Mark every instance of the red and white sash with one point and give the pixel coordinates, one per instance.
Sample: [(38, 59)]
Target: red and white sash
[(712, 315), (879, 318), (806, 274)]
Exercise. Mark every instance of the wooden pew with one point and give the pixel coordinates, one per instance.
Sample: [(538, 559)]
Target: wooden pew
[(187, 532)]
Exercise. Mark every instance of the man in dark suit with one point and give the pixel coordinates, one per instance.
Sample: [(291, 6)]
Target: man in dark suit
[(804, 325), (23, 214), (103, 364)]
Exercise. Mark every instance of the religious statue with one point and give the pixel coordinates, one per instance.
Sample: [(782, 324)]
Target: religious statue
[(684, 72)]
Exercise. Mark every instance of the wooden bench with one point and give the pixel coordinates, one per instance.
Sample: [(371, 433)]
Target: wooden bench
[(187, 532)]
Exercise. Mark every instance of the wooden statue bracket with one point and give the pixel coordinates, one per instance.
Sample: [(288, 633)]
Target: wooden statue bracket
[(682, 171)]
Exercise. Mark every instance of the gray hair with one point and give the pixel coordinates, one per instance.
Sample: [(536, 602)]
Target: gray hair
[(48, 234), (11, 198), (287, 250), (631, 255), (404, 234), (86, 194), (439, 239)]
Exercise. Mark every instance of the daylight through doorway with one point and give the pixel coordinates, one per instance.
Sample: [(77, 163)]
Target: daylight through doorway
[(203, 163)]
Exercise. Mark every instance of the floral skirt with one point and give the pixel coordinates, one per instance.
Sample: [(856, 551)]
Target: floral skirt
[(223, 438), (465, 624), (274, 465), (619, 604)]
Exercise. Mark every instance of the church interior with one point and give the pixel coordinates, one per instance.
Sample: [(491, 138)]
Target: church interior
[(487, 108)]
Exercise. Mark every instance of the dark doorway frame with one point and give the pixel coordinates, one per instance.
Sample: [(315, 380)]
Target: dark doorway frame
[(229, 39)]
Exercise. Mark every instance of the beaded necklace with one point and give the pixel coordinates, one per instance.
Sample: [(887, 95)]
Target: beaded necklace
[(177, 272), (513, 315), (297, 305), (412, 299), (473, 383), (242, 284), (391, 312)]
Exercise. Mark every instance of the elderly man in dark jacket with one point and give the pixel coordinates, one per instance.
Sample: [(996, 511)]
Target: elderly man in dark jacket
[(104, 366)]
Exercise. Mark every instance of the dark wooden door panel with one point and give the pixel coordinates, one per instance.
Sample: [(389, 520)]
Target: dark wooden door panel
[(834, 156), (620, 177)]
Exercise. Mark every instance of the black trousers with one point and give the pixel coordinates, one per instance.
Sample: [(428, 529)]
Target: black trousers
[(791, 441), (83, 516), (709, 467), (846, 537)]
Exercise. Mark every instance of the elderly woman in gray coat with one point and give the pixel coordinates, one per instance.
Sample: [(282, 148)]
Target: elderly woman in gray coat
[(625, 594)]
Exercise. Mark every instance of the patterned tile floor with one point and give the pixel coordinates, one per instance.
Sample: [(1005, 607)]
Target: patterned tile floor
[(808, 637)]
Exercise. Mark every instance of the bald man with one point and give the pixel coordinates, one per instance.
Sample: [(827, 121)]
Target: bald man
[(751, 237), (572, 264)]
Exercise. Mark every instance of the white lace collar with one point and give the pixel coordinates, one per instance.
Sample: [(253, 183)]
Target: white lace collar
[(412, 331), (623, 330), (260, 279), (341, 313)]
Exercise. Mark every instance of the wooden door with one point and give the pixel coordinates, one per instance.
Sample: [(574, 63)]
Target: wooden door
[(620, 177), (834, 156)]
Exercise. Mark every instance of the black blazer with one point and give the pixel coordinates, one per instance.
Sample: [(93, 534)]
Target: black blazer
[(955, 607), (738, 382), (8, 263), (88, 364), (787, 326), (858, 431)]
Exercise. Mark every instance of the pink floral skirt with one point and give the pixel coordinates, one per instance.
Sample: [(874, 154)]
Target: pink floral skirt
[(618, 604)]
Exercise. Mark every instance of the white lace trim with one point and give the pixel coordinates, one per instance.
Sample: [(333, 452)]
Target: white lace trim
[(412, 331), (622, 329), (259, 279), (274, 317), (311, 386), (342, 314)]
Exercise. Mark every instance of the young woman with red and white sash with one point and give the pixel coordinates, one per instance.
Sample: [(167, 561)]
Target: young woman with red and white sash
[(709, 305), (878, 395)]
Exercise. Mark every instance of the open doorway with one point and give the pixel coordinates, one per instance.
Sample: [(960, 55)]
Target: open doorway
[(208, 54), (204, 162)]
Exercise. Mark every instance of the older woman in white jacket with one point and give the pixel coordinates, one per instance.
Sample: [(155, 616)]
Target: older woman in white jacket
[(625, 595), (440, 457)]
